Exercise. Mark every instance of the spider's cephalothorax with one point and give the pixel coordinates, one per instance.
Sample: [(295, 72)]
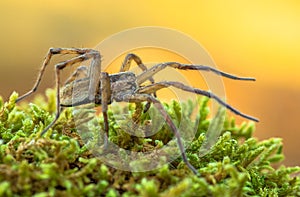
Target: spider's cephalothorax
[(103, 88)]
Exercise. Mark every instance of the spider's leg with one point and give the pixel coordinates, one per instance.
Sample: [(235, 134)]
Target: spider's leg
[(164, 84), (126, 66), (94, 74), (80, 72), (105, 100), (53, 121), (152, 71), (51, 52), (138, 112), (92, 54), (146, 97)]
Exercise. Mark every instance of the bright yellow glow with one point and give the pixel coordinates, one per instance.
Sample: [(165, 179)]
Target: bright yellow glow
[(260, 36)]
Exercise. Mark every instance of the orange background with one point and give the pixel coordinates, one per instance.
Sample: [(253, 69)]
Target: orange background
[(247, 38)]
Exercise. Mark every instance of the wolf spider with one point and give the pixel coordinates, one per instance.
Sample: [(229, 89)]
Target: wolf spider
[(103, 88)]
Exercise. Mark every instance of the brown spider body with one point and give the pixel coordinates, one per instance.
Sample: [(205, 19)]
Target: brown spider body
[(76, 92), (102, 88)]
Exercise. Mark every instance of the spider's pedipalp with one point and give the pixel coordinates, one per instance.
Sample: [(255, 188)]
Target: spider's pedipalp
[(164, 84), (125, 67), (127, 63)]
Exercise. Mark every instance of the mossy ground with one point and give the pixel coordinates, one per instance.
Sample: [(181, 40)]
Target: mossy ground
[(60, 164)]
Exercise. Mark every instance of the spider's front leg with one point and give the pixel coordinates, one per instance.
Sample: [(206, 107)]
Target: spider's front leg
[(158, 67), (149, 98), (165, 84), (156, 86)]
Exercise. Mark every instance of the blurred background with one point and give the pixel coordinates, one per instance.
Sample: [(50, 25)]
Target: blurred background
[(248, 38)]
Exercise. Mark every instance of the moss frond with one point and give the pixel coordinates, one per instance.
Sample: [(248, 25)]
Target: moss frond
[(61, 163)]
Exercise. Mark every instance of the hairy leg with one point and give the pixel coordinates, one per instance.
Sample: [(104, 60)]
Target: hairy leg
[(105, 100), (51, 52), (95, 65), (164, 84), (155, 69), (149, 98)]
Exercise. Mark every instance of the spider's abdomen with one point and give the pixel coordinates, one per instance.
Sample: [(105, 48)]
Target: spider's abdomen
[(123, 83), (75, 93)]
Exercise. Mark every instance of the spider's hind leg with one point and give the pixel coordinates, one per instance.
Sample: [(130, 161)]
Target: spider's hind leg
[(50, 54), (95, 69)]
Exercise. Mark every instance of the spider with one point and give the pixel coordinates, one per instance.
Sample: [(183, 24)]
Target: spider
[(103, 88)]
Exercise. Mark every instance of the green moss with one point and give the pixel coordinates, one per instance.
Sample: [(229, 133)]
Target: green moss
[(60, 164)]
